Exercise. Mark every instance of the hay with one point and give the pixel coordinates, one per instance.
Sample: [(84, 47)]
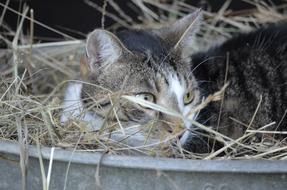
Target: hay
[(34, 76)]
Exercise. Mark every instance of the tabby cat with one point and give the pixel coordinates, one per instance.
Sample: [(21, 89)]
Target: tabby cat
[(153, 65)]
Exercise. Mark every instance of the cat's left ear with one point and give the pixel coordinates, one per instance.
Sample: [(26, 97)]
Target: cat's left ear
[(103, 48), (180, 34)]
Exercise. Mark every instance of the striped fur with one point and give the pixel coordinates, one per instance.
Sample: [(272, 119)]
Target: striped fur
[(257, 66), (152, 61), (134, 62)]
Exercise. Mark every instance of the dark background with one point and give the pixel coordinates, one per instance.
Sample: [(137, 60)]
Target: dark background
[(76, 18)]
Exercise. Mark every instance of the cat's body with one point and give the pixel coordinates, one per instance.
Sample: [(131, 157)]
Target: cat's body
[(150, 65), (256, 64)]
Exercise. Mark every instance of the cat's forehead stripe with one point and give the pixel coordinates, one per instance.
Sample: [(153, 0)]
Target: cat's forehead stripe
[(158, 53), (173, 64), (150, 84), (177, 89), (144, 42)]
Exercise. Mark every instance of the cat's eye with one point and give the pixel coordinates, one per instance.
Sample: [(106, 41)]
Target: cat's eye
[(146, 96), (188, 98)]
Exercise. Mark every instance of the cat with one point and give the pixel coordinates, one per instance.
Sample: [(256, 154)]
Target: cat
[(140, 63), (154, 65), (255, 64)]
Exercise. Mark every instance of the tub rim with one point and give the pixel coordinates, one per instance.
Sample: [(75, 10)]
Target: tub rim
[(152, 163)]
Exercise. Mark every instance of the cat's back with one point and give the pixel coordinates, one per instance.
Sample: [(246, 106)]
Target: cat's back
[(262, 51), (271, 39), (256, 64)]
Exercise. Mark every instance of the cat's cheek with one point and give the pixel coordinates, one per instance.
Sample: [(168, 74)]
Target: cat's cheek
[(187, 122), (150, 113), (186, 111), (187, 134)]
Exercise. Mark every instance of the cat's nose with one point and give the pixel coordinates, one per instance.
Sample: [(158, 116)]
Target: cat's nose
[(170, 130), (172, 122)]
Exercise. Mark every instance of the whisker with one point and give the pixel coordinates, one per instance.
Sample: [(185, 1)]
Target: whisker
[(204, 61)]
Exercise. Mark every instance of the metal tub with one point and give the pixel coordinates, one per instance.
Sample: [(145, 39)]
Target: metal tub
[(124, 172), (136, 173)]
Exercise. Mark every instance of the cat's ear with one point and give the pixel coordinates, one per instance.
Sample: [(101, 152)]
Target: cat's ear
[(180, 34), (103, 47)]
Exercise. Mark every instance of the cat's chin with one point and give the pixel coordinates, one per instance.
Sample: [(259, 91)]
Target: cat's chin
[(185, 137)]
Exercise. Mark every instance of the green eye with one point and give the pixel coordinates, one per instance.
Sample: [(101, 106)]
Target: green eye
[(188, 97), (146, 96)]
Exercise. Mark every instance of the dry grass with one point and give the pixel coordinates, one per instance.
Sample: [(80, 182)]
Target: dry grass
[(33, 78)]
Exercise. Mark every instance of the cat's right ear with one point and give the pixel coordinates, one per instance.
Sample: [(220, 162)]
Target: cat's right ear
[(181, 33), (103, 48)]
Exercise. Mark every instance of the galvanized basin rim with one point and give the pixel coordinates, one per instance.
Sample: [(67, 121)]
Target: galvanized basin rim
[(163, 164)]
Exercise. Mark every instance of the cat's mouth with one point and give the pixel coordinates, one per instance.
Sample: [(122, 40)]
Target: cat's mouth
[(182, 137)]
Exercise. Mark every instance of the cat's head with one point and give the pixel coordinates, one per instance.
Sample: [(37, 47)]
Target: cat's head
[(148, 64)]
